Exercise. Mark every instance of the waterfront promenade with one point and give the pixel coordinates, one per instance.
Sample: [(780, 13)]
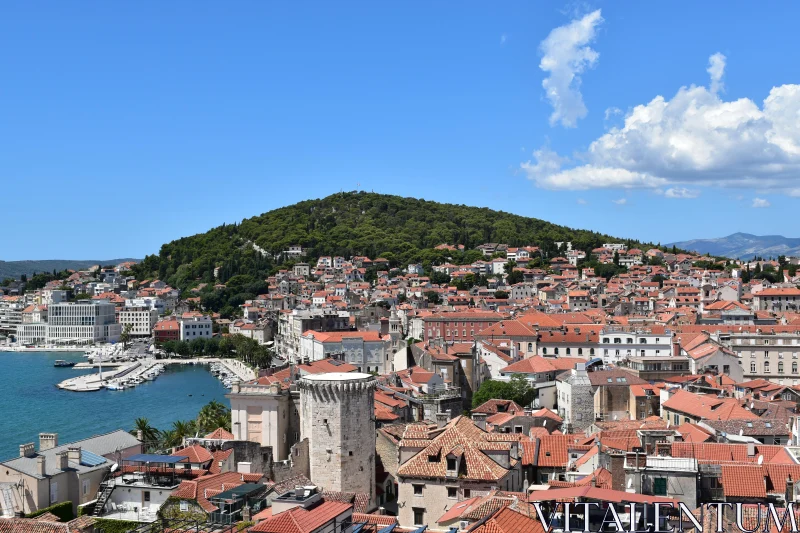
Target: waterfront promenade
[(95, 382)]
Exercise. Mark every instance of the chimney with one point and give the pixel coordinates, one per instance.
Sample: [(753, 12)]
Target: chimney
[(243, 467), (40, 466), (480, 420), (140, 435), (789, 495), (74, 453), (751, 449), (441, 419), (63, 460), (47, 441), (26, 450), (246, 513)]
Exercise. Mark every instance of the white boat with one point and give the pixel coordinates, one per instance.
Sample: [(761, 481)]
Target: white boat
[(115, 386)]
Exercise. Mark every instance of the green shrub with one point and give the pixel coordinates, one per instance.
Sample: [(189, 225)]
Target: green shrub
[(62, 510), (114, 526)]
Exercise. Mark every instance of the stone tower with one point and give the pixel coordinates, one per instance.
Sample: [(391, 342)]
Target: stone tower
[(395, 329), (337, 416)]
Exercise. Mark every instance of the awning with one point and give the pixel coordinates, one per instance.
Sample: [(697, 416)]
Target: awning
[(388, 529)]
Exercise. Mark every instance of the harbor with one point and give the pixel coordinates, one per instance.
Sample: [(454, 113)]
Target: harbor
[(127, 375), (30, 387)]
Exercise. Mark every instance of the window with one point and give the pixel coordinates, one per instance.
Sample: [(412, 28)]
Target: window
[(544, 351), (569, 351), (530, 346), (726, 369), (184, 505), (794, 367), (753, 367), (53, 492), (451, 463), (85, 487), (617, 340), (452, 492), (660, 486), (580, 351), (780, 367), (419, 516), (766, 366), (555, 351), (418, 489), (146, 495), (467, 493)]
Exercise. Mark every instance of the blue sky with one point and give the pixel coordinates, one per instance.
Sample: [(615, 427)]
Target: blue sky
[(126, 125)]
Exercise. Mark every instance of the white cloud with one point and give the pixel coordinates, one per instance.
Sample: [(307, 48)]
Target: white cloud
[(716, 68), (565, 55), (581, 201), (612, 111), (695, 138), (621, 201), (503, 38), (760, 203), (681, 192)]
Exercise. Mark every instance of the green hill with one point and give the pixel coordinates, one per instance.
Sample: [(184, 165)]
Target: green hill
[(400, 229), (15, 269)]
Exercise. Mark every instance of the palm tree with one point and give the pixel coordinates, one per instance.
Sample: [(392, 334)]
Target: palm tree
[(150, 435), (212, 416)]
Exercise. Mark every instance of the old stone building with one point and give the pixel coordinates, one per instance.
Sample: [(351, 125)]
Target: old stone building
[(336, 414)]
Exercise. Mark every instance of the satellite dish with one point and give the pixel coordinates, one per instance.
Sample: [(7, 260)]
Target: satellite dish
[(114, 467), (760, 459)]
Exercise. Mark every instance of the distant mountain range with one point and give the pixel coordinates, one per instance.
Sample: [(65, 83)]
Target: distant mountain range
[(744, 246), (15, 269)]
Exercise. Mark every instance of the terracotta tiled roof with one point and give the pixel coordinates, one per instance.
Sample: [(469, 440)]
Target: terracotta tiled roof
[(508, 520), (197, 490), (194, 454), (499, 406), (742, 481), (299, 520), (220, 434), (463, 439)]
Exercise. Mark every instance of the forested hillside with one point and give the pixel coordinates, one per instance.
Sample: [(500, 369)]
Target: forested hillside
[(400, 229)]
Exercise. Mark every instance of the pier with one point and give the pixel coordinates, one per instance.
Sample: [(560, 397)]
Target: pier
[(95, 382)]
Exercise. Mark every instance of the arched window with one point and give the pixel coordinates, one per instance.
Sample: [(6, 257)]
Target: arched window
[(530, 346), (753, 367), (580, 351), (591, 351), (544, 351), (780, 367), (555, 351), (794, 368), (766, 366), (568, 351)]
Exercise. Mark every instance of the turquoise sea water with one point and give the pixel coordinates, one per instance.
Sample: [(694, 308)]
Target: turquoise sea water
[(30, 402)]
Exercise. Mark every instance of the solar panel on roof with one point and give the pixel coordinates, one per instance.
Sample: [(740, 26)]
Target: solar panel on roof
[(90, 459)]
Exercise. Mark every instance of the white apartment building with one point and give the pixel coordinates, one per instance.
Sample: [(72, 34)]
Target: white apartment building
[(150, 302), (618, 247), (141, 320), (32, 333), (195, 327), (83, 322), (11, 308), (768, 352), (366, 350), (619, 342)]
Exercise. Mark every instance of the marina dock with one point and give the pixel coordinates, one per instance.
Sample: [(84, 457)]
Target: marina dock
[(139, 369)]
